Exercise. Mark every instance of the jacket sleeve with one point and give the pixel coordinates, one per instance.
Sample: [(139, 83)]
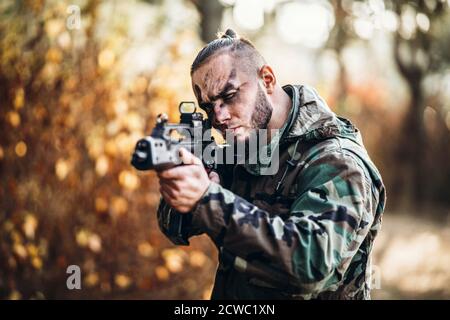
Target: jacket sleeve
[(177, 226), (310, 251)]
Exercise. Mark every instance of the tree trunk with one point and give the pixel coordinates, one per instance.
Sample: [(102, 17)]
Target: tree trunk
[(414, 139), (210, 18), (412, 148)]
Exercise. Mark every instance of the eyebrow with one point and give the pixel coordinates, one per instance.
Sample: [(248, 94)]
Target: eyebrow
[(207, 105), (228, 86)]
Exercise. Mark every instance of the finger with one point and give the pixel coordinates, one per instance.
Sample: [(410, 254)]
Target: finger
[(183, 209), (178, 173), (169, 184), (173, 173), (166, 196), (169, 192), (171, 196), (188, 158), (214, 177), (179, 192), (174, 203)]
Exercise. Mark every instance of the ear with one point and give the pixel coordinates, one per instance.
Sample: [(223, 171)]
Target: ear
[(268, 78)]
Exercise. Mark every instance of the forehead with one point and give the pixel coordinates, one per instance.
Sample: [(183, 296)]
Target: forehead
[(219, 70)]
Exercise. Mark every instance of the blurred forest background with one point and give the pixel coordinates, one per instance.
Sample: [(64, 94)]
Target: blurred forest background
[(82, 81)]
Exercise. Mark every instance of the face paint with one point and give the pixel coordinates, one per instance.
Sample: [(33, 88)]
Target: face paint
[(232, 96)]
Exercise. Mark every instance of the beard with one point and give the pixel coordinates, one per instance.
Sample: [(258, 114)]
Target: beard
[(261, 116), (263, 111)]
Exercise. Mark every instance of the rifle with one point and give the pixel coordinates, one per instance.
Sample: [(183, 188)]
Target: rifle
[(159, 150)]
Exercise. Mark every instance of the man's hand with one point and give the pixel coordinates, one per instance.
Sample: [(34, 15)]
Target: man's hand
[(183, 186)]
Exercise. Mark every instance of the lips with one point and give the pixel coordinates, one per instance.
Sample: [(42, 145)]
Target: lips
[(234, 129), (225, 128)]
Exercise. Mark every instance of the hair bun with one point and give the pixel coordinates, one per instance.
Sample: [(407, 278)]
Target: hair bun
[(230, 34)]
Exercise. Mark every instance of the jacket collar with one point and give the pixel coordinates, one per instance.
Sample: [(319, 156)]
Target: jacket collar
[(310, 118)]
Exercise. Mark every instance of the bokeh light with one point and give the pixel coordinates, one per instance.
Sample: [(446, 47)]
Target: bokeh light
[(249, 14), (307, 23), (21, 149), (75, 101)]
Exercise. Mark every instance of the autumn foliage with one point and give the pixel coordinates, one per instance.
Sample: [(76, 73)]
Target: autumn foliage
[(74, 101), (68, 194)]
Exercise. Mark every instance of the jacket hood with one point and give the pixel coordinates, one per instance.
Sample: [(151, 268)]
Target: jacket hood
[(312, 119)]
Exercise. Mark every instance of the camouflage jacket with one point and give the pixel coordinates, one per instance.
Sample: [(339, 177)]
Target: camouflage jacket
[(305, 232)]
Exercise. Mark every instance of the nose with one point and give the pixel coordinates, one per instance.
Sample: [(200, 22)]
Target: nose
[(221, 113)]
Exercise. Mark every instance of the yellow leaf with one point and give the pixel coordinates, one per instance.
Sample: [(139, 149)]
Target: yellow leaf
[(101, 205), (54, 55), (32, 250), (173, 259), (64, 40), (50, 71), (124, 143), (111, 148), (82, 237), (29, 226), (20, 250), (122, 280), (145, 249), (133, 121), (162, 273), (21, 149), (121, 107), (19, 98), (37, 263), (112, 128), (119, 206), (140, 85), (95, 143), (129, 180), (13, 118), (197, 259), (102, 165), (95, 242), (62, 168), (53, 27), (91, 279), (106, 59)]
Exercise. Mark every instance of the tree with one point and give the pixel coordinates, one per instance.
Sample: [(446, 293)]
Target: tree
[(419, 51), (68, 194), (211, 12)]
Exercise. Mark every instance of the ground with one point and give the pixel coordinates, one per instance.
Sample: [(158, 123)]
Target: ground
[(412, 256)]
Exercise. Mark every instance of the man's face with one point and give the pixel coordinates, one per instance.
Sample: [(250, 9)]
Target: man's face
[(232, 96)]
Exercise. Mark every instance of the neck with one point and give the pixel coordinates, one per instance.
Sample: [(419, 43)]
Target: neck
[(281, 103)]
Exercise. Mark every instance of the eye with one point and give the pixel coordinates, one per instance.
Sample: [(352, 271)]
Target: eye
[(229, 96)]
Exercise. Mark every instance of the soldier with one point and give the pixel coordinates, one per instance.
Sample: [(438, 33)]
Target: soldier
[(304, 232)]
